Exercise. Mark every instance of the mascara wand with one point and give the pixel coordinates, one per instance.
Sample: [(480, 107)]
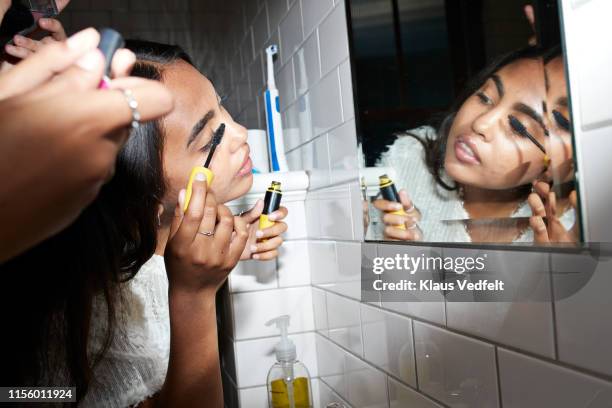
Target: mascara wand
[(216, 141)]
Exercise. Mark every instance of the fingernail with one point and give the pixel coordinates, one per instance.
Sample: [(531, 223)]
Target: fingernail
[(259, 233), (90, 61), (200, 176), (83, 39), (253, 248), (256, 256), (181, 197), (272, 217), (18, 38), (43, 21), (398, 206)]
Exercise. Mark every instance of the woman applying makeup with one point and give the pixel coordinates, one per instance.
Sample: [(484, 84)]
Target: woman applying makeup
[(471, 178), (555, 198), (129, 316)]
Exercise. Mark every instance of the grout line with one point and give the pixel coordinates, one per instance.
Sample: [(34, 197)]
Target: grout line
[(499, 392), (380, 370), (359, 307), (414, 354), (553, 309), (485, 340), (236, 341), (335, 393), (387, 390), (307, 285)]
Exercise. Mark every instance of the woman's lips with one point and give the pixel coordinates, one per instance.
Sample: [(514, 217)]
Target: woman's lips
[(466, 152), (247, 167)]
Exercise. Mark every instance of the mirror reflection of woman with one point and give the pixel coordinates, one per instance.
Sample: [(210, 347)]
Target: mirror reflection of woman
[(551, 203), (470, 179)]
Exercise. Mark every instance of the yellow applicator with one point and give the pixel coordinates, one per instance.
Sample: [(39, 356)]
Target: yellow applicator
[(272, 202), (216, 140), (389, 193)]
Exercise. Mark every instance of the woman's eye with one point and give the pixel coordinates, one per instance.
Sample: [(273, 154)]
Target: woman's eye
[(516, 126), (561, 120), (484, 98), (206, 147)]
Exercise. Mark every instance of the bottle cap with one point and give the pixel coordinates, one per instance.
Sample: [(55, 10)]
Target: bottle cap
[(285, 348)]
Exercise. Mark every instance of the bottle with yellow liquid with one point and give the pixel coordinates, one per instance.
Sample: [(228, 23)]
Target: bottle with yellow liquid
[(288, 379)]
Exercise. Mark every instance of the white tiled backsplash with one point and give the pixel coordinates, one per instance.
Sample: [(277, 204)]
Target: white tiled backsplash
[(422, 354)]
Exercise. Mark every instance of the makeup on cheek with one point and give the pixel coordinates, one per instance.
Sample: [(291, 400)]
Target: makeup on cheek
[(519, 128), (110, 42), (389, 193), (216, 141)]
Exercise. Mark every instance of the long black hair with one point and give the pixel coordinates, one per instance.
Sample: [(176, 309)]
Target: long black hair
[(435, 147), (48, 293)]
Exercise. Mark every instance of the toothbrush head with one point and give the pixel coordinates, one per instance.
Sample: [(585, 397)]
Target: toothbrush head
[(272, 50)]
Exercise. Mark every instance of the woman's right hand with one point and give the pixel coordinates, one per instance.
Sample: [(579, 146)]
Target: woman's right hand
[(61, 135), (545, 222), (205, 242), (395, 222)]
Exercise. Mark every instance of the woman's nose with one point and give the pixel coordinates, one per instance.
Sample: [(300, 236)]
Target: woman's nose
[(485, 123), (238, 136)]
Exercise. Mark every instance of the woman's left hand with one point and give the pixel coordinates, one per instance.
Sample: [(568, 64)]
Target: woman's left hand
[(543, 203), (24, 46), (263, 245)]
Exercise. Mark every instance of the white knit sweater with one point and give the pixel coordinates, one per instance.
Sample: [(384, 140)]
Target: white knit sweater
[(442, 211), (134, 367)]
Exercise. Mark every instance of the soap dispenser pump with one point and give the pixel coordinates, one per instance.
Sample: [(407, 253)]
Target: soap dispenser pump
[(288, 379)]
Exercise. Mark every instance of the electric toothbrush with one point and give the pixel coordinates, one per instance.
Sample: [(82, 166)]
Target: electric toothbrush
[(276, 145)]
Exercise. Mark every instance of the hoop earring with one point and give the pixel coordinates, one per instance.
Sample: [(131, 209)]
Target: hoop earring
[(158, 220)]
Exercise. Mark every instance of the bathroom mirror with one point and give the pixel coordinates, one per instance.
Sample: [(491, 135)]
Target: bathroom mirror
[(463, 121)]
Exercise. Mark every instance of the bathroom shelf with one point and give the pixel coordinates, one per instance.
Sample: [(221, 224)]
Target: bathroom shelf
[(294, 185)]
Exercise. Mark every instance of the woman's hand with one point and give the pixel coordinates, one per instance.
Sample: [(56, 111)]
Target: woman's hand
[(61, 135), (205, 242), (530, 16), (263, 244), (204, 246), (543, 203), (24, 46), (401, 227)]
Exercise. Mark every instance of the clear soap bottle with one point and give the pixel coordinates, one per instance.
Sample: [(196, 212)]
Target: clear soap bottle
[(288, 379)]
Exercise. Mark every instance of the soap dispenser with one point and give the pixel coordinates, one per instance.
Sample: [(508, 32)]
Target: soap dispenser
[(288, 379)]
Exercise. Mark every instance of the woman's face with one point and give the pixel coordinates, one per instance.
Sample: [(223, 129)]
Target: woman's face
[(188, 131), (560, 141), (488, 145)]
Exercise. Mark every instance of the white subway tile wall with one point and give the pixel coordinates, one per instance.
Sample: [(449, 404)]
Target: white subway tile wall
[(320, 137), (422, 354)]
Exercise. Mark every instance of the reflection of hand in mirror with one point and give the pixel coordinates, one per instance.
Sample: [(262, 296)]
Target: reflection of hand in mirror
[(402, 227), (25, 46), (481, 161), (560, 140), (544, 205), (530, 15)]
